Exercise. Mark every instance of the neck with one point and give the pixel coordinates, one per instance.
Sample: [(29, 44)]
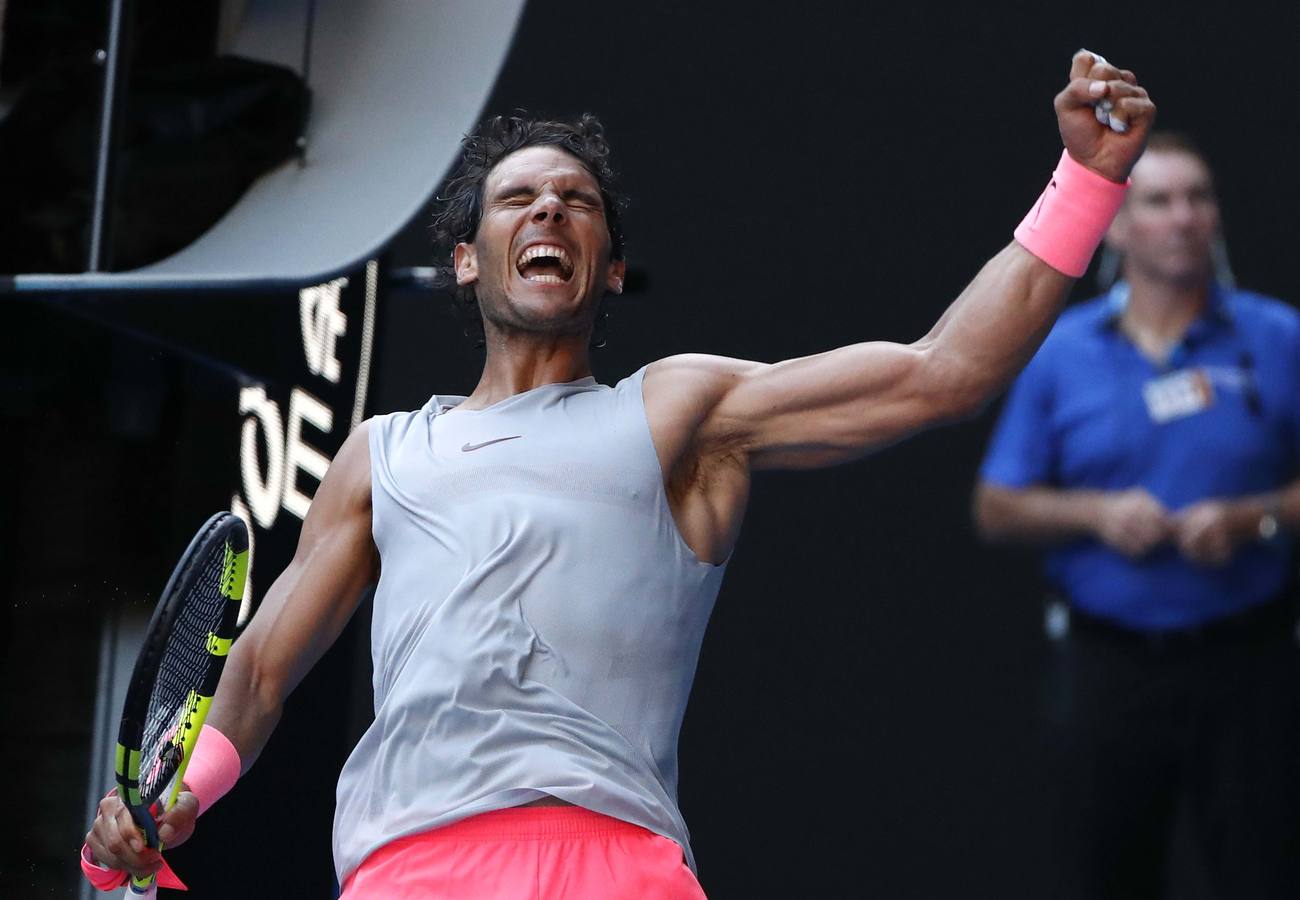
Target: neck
[(1159, 312), (519, 361)]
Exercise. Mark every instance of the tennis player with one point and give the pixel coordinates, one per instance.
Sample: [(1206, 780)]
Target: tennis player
[(548, 549)]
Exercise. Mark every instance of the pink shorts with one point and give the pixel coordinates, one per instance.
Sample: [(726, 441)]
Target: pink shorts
[(527, 853)]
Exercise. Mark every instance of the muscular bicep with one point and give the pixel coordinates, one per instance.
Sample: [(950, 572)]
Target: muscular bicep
[(840, 405), (832, 407), (308, 605)]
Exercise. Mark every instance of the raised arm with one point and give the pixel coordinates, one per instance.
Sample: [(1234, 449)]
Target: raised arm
[(301, 615), (714, 420), (838, 405)]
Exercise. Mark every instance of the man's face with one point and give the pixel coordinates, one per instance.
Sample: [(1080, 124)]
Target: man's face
[(541, 259), (1169, 220)]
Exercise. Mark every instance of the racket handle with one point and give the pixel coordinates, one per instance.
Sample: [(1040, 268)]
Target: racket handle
[(150, 891)]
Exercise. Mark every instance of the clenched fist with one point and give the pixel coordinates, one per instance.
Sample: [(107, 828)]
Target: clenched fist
[(1109, 151), (115, 840)]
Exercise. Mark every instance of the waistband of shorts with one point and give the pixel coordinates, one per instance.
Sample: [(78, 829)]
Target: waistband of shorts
[(525, 823)]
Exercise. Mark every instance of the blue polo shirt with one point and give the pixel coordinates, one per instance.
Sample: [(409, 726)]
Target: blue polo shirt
[(1220, 419)]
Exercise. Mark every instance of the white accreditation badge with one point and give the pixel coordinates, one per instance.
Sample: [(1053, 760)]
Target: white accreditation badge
[(1178, 394)]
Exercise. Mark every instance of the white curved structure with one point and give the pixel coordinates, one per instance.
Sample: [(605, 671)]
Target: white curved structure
[(395, 85)]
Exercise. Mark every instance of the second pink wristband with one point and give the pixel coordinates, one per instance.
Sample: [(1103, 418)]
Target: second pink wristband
[(213, 769)]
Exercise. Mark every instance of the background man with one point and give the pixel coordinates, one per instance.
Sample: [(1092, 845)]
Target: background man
[(548, 549), (1154, 444)]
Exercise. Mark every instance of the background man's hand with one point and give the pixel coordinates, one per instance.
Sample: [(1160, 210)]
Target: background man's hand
[(116, 842), (1207, 533), (1107, 152), (1133, 523)]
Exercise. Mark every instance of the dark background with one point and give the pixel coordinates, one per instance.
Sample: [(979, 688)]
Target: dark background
[(802, 177)]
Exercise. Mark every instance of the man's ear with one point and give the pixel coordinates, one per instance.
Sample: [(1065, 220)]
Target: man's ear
[(465, 259), (614, 280)]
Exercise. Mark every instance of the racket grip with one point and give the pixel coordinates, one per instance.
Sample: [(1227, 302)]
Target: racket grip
[(149, 893)]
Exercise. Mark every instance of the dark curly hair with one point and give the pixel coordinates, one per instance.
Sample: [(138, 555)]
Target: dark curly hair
[(459, 207)]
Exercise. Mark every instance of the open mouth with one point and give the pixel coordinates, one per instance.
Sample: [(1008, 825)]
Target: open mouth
[(545, 263)]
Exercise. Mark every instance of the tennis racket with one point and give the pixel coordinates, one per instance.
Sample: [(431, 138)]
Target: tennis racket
[(176, 675)]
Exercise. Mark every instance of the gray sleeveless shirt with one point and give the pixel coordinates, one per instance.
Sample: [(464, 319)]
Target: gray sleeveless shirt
[(537, 620)]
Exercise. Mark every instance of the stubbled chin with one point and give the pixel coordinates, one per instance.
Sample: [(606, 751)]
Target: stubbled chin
[(546, 300)]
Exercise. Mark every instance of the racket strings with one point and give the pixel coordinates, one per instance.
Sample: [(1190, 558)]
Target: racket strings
[(184, 662)]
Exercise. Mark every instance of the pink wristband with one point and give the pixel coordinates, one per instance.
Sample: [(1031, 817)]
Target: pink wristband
[(102, 878), (1069, 220), (213, 769)]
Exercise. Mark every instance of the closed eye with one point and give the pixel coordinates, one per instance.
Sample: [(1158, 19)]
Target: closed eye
[(582, 199)]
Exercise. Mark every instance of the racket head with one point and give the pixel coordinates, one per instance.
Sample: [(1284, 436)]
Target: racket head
[(178, 667)]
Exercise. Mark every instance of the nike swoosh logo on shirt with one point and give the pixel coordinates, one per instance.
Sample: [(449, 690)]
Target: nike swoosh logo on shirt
[(468, 447)]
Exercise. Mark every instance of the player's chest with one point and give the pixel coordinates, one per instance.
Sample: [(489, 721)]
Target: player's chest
[(490, 459)]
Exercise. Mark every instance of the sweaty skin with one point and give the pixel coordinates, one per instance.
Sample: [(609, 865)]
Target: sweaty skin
[(713, 420)]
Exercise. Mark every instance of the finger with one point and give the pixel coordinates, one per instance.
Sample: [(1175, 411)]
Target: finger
[(1155, 525), (178, 822), (1079, 94), (1153, 534), (1202, 555), (1146, 541), (111, 849), (1116, 89), (1134, 111), (127, 828), (1082, 62), (99, 852), (1150, 514), (1110, 109), (110, 806), (1203, 548), (186, 807), (1163, 524), (149, 863), (1196, 528), (1149, 506), (1103, 71), (1132, 543), (115, 841)]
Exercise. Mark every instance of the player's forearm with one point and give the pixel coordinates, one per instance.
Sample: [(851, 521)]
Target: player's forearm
[(301, 616), (1036, 515), (246, 708), (993, 328)]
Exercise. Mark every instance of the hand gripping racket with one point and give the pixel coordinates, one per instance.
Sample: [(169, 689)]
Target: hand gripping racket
[(176, 675)]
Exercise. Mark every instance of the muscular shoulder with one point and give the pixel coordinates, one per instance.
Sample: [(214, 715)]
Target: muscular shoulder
[(347, 481), (338, 522), (698, 371), (681, 392)]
